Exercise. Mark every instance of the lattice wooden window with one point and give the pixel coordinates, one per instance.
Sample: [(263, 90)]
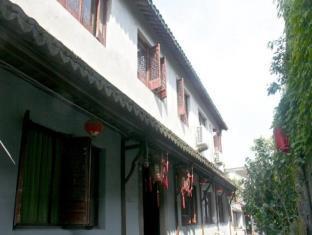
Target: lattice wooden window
[(183, 101), (143, 61), (162, 93), (152, 68)]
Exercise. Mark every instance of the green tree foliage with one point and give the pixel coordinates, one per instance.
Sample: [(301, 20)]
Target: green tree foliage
[(292, 63), (269, 193)]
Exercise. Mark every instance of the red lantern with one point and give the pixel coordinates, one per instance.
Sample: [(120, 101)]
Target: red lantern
[(93, 127), (281, 140)]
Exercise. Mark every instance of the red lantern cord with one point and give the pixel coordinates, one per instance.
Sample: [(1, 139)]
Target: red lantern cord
[(164, 175)]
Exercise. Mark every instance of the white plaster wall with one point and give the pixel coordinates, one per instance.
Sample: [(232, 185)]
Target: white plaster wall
[(117, 61), (16, 96)]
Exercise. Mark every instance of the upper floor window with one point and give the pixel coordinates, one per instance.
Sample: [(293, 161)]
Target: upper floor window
[(183, 101), (217, 142), (202, 120), (91, 14), (152, 68)]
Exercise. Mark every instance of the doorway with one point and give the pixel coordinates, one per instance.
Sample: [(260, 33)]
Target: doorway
[(150, 205)]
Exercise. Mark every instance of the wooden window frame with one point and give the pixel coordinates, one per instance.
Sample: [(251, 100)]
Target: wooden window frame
[(79, 15), (208, 207), (183, 101), (98, 25), (217, 142), (91, 188), (187, 100), (155, 76), (143, 44), (220, 208)]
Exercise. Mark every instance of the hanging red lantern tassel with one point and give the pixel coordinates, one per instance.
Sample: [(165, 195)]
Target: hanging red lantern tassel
[(165, 170), (281, 140)]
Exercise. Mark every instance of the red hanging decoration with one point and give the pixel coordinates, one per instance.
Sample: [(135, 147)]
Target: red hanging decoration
[(186, 189), (281, 140), (93, 127), (164, 173)]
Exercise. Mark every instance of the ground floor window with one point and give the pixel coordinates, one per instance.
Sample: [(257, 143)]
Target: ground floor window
[(221, 208), (57, 182), (208, 209)]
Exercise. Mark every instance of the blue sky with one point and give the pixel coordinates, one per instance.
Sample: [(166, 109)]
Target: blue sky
[(226, 41)]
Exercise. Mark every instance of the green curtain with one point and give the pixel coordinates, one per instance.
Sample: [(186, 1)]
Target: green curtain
[(40, 191)]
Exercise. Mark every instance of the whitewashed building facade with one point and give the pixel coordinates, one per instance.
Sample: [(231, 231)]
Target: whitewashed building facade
[(70, 68)]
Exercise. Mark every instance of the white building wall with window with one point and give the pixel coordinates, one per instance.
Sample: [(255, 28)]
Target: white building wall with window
[(54, 114), (117, 61)]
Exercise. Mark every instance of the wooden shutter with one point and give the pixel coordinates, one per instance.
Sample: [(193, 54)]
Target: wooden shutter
[(36, 190), (143, 60), (163, 72), (76, 183), (155, 78), (181, 97), (217, 142), (101, 9)]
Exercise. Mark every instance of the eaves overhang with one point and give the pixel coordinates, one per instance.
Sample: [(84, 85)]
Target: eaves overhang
[(159, 26), (41, 58)]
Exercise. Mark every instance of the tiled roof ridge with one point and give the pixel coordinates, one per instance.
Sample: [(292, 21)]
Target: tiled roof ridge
[(183, 56)]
